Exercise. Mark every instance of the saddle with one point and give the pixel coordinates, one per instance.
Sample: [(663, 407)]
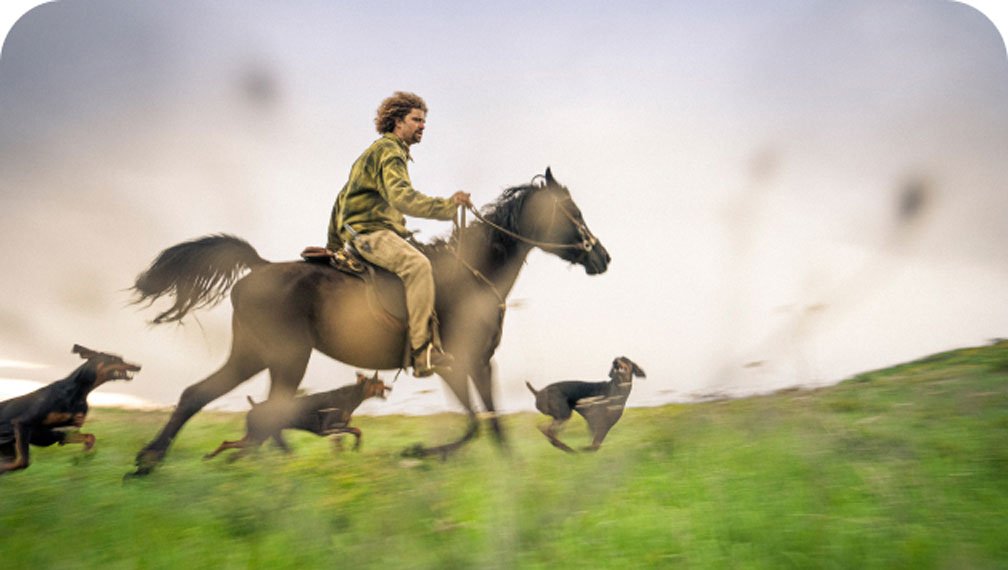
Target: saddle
[(385, 291)]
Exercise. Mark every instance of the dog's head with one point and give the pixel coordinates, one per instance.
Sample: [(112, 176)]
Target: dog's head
[(623, 369), (373, 386), (104, 367)]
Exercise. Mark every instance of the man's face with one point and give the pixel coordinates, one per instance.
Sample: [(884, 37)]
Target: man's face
[(410, 128)]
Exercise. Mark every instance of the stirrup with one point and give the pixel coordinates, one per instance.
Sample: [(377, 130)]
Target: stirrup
[(426, 361)]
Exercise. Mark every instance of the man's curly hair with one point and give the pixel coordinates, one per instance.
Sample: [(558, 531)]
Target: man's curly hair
[(395, 108)]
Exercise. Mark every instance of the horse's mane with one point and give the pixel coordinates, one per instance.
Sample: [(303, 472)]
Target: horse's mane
[(504, 212)]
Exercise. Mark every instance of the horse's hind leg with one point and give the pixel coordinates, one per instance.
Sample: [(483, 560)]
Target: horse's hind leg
[(241, 365), (287, 365)]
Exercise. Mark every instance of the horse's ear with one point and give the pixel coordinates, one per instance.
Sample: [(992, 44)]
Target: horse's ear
[(550, 181), (85, 353)]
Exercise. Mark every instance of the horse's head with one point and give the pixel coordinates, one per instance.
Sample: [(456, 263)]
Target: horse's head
[(550, 218)]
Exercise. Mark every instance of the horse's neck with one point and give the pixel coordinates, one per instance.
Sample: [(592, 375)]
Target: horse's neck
[(501, 265)]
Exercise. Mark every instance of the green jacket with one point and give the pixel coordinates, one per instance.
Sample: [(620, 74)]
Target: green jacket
[(379, 192)]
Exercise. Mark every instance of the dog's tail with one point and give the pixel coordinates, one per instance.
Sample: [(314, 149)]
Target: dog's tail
[(531, 389), (251, 401)]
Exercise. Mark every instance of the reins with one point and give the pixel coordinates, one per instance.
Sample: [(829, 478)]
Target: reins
[(588, 240), (460, 224), (586, 245)]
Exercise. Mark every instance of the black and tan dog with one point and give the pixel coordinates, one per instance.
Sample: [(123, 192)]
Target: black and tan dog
[(325, 413), (37, 418), (600, 403)]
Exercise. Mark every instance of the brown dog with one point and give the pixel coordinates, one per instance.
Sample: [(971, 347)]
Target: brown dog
[(325, 413), (600, 403)]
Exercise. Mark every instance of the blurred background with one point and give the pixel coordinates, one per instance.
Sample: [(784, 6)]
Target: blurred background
[(792, 192)]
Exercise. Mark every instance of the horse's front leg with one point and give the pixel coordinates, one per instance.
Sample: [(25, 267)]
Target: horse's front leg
[(482, 375), (458, 381)]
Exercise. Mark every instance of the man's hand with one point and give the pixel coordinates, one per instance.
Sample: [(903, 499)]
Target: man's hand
[(461, 198)]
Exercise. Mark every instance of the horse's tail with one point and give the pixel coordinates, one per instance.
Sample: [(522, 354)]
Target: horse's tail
[(531, 389), (198, 273)]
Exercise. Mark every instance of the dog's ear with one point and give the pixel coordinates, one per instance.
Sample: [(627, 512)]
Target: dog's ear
[(374, 377), (624, 361), (634, 369), (637, 370), (361, 378), (85, 353)]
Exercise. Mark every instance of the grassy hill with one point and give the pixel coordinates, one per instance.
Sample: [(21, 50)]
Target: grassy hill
[(899, 468)]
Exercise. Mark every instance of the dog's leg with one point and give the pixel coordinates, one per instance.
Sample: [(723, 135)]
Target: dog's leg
[(601, 418), (77, 437), (21, 438), (242, 452), (239, 444), (551, 431), (338, 442), (44, 437), (247, 445), (599, 432), (357, 437)]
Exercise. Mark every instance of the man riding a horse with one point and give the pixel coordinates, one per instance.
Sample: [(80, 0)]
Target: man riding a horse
[(285, 311), (368, 214)]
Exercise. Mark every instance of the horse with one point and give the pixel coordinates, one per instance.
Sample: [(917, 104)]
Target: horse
[(284, 310)]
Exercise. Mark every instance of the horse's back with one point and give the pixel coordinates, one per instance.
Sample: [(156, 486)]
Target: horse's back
[(300, 298)]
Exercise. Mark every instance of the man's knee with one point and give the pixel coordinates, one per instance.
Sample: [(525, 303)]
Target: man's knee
[(417, 267)]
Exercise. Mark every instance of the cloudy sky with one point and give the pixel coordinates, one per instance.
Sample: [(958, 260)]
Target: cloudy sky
[(792, 191)]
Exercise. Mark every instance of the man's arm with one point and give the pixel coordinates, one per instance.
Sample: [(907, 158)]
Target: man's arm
[(400, 193)]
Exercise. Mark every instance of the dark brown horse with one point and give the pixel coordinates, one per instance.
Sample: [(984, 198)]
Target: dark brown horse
[(284, 310)]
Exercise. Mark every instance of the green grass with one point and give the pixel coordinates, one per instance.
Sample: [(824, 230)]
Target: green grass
[(899, 468)]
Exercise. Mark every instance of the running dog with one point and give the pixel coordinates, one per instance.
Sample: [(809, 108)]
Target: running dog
[(325, 413), (38, 418), (600, 403)]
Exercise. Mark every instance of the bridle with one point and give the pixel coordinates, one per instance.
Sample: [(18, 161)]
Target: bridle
[(585, 246), (588, 239)]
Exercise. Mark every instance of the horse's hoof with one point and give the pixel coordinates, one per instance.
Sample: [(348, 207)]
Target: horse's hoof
[(139, 473), (416, 451), (145, 462)]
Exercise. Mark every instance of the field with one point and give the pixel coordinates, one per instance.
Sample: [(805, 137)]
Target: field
[(899, 468)]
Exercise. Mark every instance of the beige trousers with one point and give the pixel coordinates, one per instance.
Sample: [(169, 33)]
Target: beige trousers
[(386, 249)]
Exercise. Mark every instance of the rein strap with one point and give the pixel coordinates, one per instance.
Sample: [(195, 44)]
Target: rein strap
[(585, 246)]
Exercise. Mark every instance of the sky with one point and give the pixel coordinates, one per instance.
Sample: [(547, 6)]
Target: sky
[(792, 191)]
